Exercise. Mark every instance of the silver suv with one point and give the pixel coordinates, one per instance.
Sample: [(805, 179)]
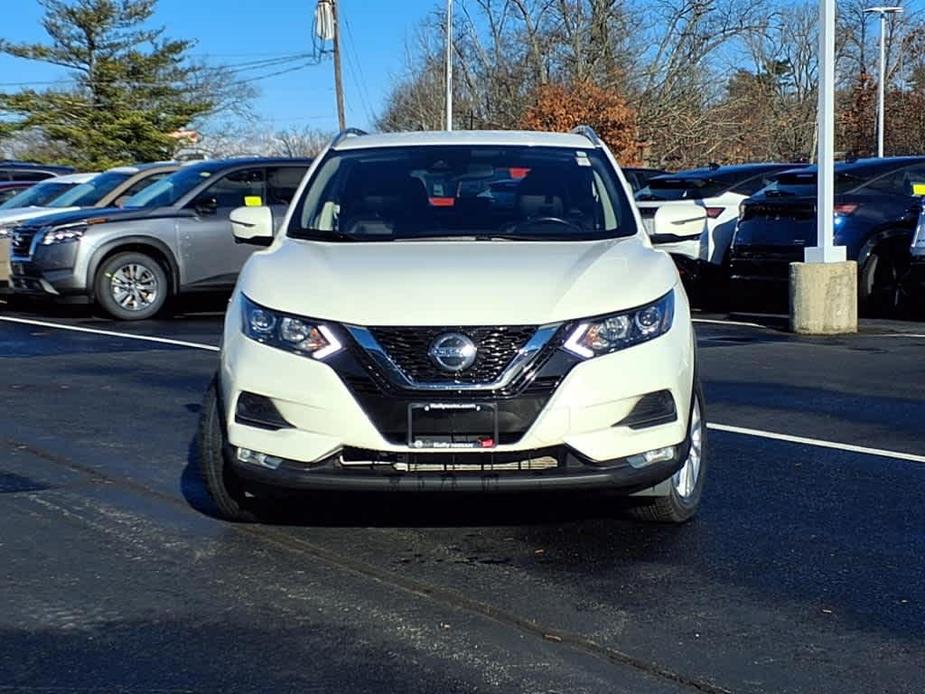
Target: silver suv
[(172, 237)]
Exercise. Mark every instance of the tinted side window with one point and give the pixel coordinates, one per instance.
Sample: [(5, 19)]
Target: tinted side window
[(238, 189), (914, 181), (7, 193), (753, 185), (143, 183), (282, 184), (890, 183), (30, 175)]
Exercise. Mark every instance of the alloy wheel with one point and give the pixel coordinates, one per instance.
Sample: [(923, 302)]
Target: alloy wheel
[(685, 480), (134, 287)]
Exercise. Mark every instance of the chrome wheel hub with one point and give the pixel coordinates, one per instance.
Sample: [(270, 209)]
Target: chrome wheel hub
[(685, 480), (134, 287)]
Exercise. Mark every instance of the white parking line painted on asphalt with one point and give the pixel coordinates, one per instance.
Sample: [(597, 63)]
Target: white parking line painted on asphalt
[(111, 333), (758, 433), (918, 335), (819, 443), (713, 321)]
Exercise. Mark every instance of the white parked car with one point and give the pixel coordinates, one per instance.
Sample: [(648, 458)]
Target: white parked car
[(692, 214), (405, 332)]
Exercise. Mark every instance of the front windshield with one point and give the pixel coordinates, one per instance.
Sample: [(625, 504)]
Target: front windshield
[(447, 192), (38, 195), (169, 189), (90, 193)]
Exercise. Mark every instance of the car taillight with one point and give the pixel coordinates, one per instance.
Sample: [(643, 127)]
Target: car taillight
[(845, 209), (714, 212)]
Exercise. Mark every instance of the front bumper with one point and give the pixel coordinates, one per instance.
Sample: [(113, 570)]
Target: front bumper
[(51, 275), (569, 411), (574, 474)]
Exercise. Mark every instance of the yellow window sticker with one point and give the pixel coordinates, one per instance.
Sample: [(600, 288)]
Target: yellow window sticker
[(918, 188), (253, 201)]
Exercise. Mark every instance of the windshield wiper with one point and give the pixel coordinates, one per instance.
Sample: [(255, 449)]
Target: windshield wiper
[(320, 235)]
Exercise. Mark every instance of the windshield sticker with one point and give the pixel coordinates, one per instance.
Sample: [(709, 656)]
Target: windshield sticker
[(253, 201), (918, 188), (582, 161)]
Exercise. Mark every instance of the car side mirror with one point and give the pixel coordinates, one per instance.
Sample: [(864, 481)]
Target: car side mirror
[(206, 205), (677, 223), (252, 225)]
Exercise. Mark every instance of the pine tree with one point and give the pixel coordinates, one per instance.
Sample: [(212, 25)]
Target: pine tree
[(132, 87)]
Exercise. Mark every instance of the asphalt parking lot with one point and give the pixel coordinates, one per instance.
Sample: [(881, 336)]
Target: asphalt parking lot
[(803, 573)]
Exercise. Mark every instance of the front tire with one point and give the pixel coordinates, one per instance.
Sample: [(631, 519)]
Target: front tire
[(131, 286), (214, 463), (686, 485), (882, 291)]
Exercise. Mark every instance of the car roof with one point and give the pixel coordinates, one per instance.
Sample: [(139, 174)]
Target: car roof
[(33, 166), (523, 138), (733, 170), (213, 165), (72, 178), (863, 166), (137, 168)]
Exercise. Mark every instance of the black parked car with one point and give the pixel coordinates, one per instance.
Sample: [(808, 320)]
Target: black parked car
[(638, 178), (29, 171), (877, 204)]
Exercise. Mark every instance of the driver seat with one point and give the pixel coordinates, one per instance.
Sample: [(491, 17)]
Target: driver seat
[(540, 195)]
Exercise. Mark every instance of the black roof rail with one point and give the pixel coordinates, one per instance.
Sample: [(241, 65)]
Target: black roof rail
[(588, 132), (348, 132)]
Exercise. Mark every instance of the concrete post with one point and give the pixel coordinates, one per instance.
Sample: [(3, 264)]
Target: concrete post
[(824, 298)]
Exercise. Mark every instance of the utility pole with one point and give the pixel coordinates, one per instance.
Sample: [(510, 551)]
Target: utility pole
[(881, 106), (338, 80), (449, 64)]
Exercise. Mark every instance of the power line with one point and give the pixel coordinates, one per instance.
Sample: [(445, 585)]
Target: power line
[(358, 77)]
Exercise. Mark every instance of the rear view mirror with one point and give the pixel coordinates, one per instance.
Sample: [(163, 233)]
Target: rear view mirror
[(252, 225), (678, 223)]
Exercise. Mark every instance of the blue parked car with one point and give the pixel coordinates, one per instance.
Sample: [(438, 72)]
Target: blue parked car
[(877, 204)]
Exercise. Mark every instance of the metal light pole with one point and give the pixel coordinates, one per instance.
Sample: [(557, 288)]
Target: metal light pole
[(881, 107), (825, 250), (449, 64)]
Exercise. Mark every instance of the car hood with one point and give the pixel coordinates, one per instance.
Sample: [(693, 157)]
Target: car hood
[(99, 215), (457, 283), (22, 214)]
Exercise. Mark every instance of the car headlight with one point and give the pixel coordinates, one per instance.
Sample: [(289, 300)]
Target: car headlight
[(6, 230), (291, 333), (607, 334), (64, 234)]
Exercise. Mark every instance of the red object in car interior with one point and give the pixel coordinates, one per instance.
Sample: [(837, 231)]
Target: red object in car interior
[(846, 208), (442, 202), (518, 172), (714, 212)]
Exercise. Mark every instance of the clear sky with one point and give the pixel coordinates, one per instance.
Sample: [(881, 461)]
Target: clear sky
[(237, 31)]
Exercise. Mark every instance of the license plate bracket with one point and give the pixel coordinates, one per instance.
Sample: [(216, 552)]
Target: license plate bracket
[(453, 425)]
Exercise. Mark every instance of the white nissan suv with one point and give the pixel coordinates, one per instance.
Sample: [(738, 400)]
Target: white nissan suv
[(456, 312)]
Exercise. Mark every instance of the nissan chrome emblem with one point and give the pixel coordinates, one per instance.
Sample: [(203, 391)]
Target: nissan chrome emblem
[(453, 352)]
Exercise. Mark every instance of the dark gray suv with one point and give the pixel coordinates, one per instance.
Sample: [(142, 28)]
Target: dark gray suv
[(172, 237)]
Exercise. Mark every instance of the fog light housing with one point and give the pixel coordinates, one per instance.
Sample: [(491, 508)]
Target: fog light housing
[(245, 455), (656, 455)]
